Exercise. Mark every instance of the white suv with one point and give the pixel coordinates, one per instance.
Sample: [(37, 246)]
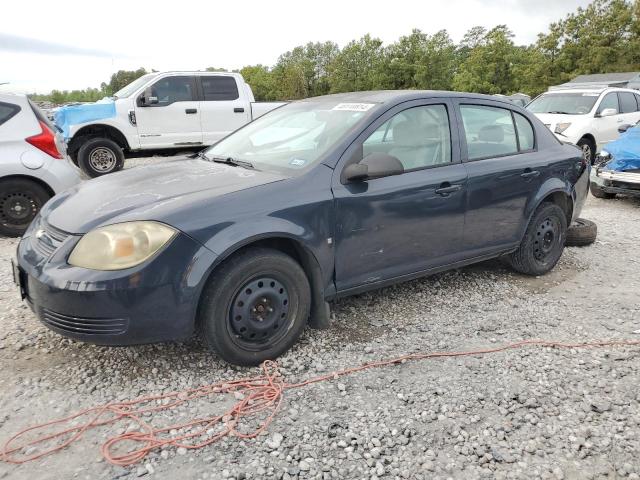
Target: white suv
[(587, 117), (33, 163)]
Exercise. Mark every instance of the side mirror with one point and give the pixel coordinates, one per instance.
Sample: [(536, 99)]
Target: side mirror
[(623, 128), (147, 99), (608, 112), (374, 165)]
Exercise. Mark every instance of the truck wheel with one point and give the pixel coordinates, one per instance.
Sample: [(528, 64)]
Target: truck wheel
[(20, 202), (598, 192), (588, 149), (581, 233), (543, 242), (255, 306), (99, 156)]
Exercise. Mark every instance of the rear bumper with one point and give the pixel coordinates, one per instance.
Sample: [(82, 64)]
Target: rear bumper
[(154, 302)]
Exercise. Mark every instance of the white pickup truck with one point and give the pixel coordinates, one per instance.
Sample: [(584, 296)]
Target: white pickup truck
[(158, 111)]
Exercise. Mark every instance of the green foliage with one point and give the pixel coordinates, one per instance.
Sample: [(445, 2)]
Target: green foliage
[(600, 38)]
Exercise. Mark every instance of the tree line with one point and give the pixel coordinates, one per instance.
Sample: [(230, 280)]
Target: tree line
[(600, 38)]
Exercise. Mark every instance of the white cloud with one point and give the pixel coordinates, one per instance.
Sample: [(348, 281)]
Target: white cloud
[(194, 35)]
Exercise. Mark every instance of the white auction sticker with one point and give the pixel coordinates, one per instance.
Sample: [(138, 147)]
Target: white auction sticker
[(354, 107)]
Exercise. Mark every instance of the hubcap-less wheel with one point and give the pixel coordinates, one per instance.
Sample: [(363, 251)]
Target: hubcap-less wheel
[(259, 313), (586, 152), (547, 235), (102, 159), (17, 208)]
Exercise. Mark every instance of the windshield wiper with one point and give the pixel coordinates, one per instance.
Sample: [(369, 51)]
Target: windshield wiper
[(228, 161), (560, 112)]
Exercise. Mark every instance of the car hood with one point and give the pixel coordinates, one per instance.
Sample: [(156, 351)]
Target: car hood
[(552, 119), (147, 193)]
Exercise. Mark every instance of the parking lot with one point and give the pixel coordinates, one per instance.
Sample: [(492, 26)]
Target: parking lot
[(530, 413)]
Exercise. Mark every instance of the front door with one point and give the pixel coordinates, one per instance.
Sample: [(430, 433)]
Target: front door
[(175, 120), (223, 109), (606, 128), (397, 225), (505, 172)]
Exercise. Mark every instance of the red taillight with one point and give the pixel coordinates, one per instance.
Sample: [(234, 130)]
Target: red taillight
[(45, 141)]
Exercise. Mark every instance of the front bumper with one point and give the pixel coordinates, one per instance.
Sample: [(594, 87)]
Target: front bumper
[(627, 183), (153, 302)]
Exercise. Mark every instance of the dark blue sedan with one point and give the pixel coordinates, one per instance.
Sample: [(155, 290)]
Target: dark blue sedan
[(319, 199)]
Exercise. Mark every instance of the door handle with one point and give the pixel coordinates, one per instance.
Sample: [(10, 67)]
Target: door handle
[(238, 110), (446, 188), (190, 111), (528, 173)]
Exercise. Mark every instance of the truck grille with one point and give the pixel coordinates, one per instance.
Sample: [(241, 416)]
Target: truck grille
[(87, 326), (47, 239)]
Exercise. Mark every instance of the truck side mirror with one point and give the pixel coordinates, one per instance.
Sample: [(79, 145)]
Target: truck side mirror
[(147, 99)]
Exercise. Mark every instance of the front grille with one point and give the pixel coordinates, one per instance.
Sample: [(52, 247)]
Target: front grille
[(47, 239), (87, 326)]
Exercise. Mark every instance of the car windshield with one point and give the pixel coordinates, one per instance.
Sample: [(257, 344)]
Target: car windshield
[(133, 86), (293, 137), (565, 103)]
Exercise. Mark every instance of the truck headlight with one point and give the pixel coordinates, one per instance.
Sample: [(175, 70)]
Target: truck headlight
[(120, 246), (561, 127)]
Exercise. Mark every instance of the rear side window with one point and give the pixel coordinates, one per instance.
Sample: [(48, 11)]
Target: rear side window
[(627, 102), (489, 131), (219, 88), (7, 110), (524, 129)]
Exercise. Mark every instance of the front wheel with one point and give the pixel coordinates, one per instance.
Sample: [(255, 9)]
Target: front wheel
[(20, 202), (588, 149), (255, 306), (543, 242), (99, 156)]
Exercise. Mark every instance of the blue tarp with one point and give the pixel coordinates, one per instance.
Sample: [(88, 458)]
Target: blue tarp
[(625, 151), (75, 114)]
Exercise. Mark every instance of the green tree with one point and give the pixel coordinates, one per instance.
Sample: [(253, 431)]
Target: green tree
[(357, 66), (261, 80), (120, 79)]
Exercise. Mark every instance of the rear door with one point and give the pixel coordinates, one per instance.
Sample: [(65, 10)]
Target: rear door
[(398, 225), (504, 170), (224, 108), (175, 120), (628, 108)]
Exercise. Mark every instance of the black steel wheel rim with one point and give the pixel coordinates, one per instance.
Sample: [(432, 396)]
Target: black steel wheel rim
[(17, 208), (259, 312), (546, 239)]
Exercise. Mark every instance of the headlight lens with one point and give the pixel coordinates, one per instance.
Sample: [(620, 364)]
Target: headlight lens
[(120, 246), (561, 127)]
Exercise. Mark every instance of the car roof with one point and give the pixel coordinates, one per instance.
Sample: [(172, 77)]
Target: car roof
[(591, 90), (395, 96)]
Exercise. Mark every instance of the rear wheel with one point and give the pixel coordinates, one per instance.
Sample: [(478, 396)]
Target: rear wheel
[(20, 201), (99, 156), (588, 149), (543, 242), (598, 192), (255, 306)]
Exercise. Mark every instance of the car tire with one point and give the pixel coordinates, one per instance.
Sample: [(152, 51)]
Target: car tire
[(543, 241), (20, 201), (598, 192), (99, 156), (583, 232), (588, 149), (255, 306)]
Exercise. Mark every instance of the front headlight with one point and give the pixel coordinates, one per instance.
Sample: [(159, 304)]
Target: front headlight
[(120, 246), (561, 127)]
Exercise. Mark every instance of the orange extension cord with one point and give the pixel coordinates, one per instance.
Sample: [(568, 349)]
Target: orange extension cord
[(262, 394)]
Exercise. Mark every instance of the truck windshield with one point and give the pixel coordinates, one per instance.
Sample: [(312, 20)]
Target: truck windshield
[(127, 90), (293, 137), (565, 103)]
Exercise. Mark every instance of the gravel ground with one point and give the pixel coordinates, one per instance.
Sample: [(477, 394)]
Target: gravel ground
[(531, 413)]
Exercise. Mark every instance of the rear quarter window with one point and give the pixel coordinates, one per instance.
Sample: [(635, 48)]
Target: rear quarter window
[(7, 111), (525, 132)]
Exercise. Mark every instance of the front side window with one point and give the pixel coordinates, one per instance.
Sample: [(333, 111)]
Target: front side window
[(489, 131), (609, 101), (627, 102), (173, 89), (419, 137), (292, 137), (219, 88)]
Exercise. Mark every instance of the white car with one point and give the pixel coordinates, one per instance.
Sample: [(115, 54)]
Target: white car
[(158, 111), (587, 117), (33, 163)]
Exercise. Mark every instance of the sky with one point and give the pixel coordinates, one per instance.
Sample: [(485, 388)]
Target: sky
[(47, 45)]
